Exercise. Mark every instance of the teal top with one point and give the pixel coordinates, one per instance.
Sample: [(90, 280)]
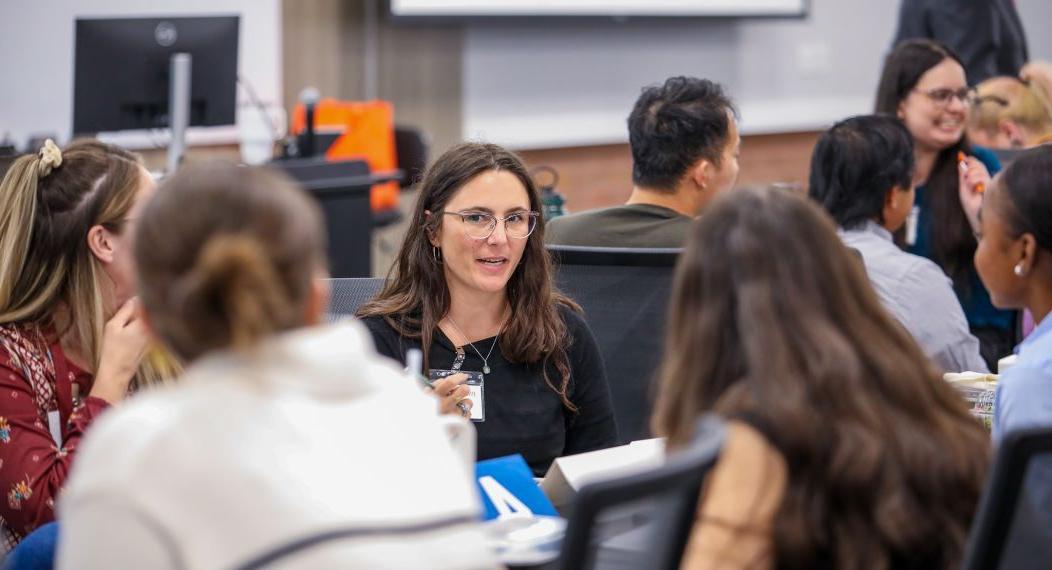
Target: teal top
[(978, 309)]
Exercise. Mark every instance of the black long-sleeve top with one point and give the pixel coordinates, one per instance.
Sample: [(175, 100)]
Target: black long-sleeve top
[(523, 414)]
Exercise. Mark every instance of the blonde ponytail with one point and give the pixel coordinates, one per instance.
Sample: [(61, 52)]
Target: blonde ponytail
[(1042, 96), (18, 201), (18, 205), (1023, 102)]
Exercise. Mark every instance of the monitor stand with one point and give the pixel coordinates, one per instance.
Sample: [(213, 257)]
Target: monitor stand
[(178, 107)]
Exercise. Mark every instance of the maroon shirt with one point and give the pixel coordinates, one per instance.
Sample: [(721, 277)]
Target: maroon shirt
[(35, 379)]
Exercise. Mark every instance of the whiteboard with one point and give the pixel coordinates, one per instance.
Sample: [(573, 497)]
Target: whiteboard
[(599, 7)]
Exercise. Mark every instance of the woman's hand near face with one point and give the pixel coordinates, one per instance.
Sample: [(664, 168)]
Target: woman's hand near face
[(450, 392), (973, 180), (124, 341)]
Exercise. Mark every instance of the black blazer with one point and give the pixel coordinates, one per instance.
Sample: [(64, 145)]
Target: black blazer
[(987, 34)]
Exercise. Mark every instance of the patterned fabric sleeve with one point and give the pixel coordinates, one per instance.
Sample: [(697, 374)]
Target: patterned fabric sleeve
[(32, 466)]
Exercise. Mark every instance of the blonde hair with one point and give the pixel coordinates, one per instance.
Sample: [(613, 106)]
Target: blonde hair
[(226, 257), (48, 203), (1008, 98)]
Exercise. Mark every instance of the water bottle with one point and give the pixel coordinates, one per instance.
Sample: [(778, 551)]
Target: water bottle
[(552, 202)]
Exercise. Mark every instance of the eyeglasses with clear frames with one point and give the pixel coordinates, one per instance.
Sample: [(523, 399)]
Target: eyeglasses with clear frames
[(942, 97), (480, 225)]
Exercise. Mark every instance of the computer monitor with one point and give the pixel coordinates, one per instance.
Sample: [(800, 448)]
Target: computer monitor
[(121, 71)]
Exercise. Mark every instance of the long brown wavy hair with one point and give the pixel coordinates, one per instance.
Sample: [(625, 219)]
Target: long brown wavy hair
[(416, 296), (773, 321)]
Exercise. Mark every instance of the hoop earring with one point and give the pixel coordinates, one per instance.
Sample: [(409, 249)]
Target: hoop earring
[(436, 254)]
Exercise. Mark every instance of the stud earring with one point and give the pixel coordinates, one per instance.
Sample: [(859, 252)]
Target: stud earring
[(1018, 270)]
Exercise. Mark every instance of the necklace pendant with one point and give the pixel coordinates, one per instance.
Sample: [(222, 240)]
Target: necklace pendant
[(485, 369)]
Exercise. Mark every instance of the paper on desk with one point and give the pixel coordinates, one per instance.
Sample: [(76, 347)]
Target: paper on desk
[(971, 379), (568, 474), (979, 390)]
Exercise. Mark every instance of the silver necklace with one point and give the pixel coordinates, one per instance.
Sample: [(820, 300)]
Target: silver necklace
[(485, 359)]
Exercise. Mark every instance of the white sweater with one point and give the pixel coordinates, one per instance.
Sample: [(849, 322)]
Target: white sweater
[(314, 433)]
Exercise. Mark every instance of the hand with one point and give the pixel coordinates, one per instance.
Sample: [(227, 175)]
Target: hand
[(123, 345), (450, 392), (973, 178)]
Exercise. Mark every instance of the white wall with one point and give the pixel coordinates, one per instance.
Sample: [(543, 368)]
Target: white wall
[(36, 58), (537, 84), (530, 83), (1036, 16), (594, 7)]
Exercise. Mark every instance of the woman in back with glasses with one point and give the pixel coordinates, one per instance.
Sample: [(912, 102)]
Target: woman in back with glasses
[(473, 290), (924, 85)]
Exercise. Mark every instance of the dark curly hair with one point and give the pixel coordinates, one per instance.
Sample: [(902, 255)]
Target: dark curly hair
[(856, 162), (673, 126)]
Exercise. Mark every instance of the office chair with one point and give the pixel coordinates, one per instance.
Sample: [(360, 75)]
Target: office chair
[(671, 491), (37, 551), (624, 293), (350, 293), (1013, 525)]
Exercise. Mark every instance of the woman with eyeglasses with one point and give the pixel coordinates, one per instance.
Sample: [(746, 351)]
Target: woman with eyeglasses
[(473, 290), (924, 85)]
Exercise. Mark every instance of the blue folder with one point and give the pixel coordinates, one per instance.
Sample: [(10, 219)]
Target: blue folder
[(513, 475)]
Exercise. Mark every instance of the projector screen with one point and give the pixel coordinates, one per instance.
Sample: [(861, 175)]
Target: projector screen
[(609, 8)]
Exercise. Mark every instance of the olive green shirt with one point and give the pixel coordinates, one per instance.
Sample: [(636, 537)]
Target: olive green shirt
[(635, 225)]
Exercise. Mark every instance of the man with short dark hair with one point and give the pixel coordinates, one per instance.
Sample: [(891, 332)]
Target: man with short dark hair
[(862, 174), (684, 139)]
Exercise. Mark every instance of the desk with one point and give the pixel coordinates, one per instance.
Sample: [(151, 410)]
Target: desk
[(625, 551), (624, 539)]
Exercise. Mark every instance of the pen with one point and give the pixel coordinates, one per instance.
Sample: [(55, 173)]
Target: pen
[(962, 161), (414, 361)]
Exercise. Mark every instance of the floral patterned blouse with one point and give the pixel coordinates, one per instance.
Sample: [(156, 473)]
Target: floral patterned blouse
[(40, 427)]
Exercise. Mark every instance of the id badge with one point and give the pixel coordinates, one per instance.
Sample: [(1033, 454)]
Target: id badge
[(54, 424), (476, 390), (911, 226)]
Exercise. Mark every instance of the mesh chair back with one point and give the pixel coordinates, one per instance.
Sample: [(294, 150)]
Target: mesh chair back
[(350, 293), (624, 293), (1013, 526), (671, 494)]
